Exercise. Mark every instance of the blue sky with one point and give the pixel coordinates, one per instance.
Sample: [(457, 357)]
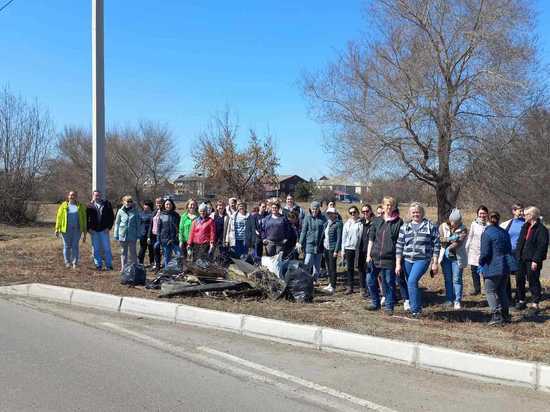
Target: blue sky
[(181, 61)]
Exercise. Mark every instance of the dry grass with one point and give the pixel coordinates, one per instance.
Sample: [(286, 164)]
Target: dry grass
[(32, 254)]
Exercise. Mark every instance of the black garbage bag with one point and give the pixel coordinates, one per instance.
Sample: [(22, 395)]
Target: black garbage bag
[(299, 285), (133, 274), (174, 267)]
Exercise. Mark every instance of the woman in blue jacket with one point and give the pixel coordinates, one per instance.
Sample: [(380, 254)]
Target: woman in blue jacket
[(496, 263)]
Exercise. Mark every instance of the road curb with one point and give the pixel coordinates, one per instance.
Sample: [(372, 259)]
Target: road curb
[(449, 361), (149, 308)]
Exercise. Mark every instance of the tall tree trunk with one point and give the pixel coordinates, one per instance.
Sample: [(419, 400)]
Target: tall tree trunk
[(447, 196)]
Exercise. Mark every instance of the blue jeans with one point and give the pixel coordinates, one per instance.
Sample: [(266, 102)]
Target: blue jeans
[(413, 272), (388, 282), (313, 260), (101, 243), (70, 245), (240, 248), (168, 249), (453, 280)]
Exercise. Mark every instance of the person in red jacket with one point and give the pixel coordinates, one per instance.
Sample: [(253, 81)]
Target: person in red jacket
[(202, 237)]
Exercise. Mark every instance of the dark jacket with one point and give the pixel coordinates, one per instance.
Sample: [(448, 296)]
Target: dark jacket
[(535, 248), (334, 235), (145, 221), (363, 244), (168, 227), (276, 230), (100, 219), (495, 258), (312, 234), (384, 236)]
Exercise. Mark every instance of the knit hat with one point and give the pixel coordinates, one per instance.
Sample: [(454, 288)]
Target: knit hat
[(203, 206), (455, 216), (331, 210), (315, 205)]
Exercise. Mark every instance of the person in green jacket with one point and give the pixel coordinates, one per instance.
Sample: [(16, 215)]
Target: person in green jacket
[(186, 220), (70, 222)]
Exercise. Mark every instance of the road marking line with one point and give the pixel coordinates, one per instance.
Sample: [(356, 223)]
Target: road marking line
[(229, 368), (297, 380)]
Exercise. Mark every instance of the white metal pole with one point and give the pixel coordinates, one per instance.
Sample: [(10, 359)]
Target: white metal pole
[(98, 99)]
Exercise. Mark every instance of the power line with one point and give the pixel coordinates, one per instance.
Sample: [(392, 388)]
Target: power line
[(6, 5)]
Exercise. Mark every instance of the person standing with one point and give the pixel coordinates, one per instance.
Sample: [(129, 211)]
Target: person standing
[(70, 222), (239, 230), (351, 235), (367, 217), (473, 246), (496, 262), (453, 257), (291, 206), (186, 221), (127, 230), (231, 208), (275, 231), (202, 238), (381, 252), (332, 243), (152, 236), (256, 230), (513, 227), (99, 221), (531, 250), (221, 222), (311, 238), (168, 228), (417, 246), (145, 221)]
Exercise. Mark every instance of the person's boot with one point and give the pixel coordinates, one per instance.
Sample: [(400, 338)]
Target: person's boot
[(496, 320), (506, 317), (364, 293), (349, 291)]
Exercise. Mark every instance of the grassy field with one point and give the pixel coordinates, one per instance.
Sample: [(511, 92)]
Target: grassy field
[(33, 254)]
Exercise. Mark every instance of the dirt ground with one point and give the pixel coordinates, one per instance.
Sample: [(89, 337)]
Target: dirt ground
[(32, 254)]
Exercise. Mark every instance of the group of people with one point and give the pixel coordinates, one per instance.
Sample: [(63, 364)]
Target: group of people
[(389, 255)]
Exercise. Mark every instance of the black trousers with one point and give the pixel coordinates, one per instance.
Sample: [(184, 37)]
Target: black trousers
[(362, 269), (144, 247), (331, 266), (533, 277), (350, 264), (200, 251)]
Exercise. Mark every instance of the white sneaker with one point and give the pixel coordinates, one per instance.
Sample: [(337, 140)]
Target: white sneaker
[(407, 306), (382, 301), (329, 289), (74, 265), (457, 305), (67, 265)]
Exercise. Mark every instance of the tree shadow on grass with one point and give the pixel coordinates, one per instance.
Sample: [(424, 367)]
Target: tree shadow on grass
[(461, 315)]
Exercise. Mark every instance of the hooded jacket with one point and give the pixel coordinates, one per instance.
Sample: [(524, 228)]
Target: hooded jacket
[(384, 234), (127, 225), (311, 236), (168, 227)]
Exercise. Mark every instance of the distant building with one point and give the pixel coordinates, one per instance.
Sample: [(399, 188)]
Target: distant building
[(343, 188), (196, 186), (286, 185)]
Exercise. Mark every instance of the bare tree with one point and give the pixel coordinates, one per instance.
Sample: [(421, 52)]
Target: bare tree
[(513, 166), (26, 134), (139, 160), (427, 84), (237, 172)]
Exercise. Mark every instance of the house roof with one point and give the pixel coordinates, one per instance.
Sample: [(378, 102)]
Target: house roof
[(189, 178), (338, 181), (282, 178)]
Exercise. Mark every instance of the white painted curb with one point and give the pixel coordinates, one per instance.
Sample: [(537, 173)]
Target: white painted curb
[(544, 377), (477, 366), (485, 366), (149, 308), (334, 339), (48, 292), (96, 300), (209, 318), (16, 290), (281, 331)]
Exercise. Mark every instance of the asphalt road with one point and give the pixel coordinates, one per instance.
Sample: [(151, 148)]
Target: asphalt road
[(61, 358)]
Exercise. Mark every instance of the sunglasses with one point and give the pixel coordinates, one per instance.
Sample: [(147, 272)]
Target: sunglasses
[(353, 213), (366, 211), (129, 201)]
